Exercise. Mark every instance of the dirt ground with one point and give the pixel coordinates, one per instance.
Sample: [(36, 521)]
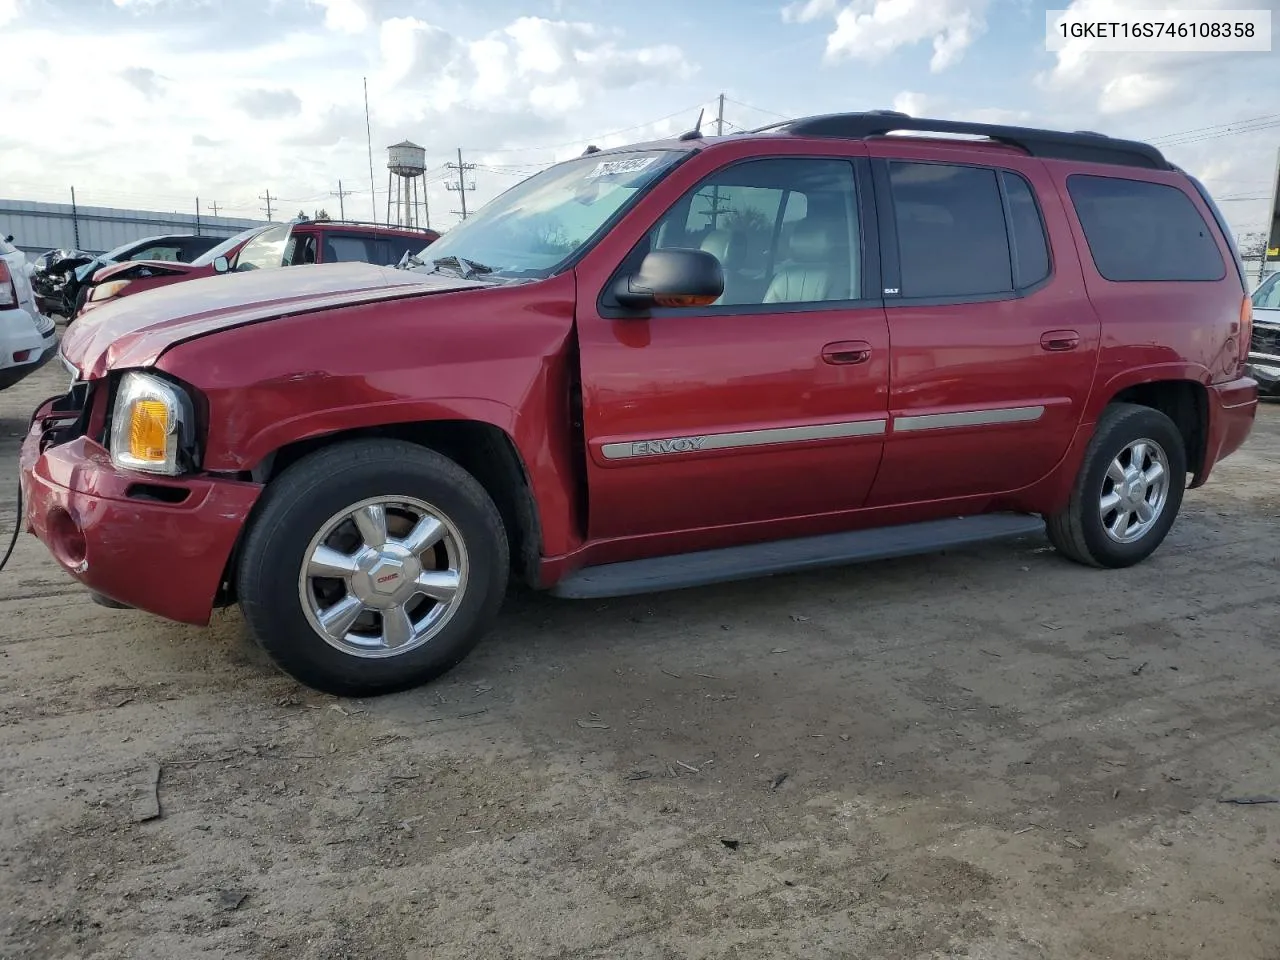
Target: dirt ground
[(992, 753)]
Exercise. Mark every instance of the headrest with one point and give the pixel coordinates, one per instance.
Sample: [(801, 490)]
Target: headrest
[(810, 241), (716, 243)]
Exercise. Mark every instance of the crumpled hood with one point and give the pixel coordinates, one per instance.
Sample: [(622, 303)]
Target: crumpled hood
[(133, 331), (113, 271)]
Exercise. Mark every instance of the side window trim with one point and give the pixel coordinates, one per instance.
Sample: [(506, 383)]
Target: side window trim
[(891, 256), (1002, 177), (860, 171)]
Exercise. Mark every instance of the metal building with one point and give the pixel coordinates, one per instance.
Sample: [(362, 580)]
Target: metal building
[(37, 227)]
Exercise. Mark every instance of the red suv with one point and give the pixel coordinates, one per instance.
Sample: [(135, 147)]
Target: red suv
[(265, 247), (655, 367)]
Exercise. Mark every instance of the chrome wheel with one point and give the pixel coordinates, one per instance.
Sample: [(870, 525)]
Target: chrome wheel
[(1134, 491), (383, 576)]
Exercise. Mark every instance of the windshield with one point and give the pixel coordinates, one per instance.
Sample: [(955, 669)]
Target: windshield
[(538, 224), (1267, 296), (225, 247)]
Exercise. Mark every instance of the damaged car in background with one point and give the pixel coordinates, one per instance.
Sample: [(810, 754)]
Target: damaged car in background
[(1264, 345)]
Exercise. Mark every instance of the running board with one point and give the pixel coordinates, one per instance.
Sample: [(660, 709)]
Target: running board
[(789, 556)]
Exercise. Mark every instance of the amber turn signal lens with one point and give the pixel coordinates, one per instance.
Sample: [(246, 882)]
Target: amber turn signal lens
[(1246, 327), (149, 430), (692, 300)]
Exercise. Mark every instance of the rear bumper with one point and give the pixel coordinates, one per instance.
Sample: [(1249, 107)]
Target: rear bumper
[(1232, 409), (27, 343), (106, 528)]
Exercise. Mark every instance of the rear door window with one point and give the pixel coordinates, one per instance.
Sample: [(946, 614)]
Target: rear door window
[(952, 237), (1142, 231), (344, 248)]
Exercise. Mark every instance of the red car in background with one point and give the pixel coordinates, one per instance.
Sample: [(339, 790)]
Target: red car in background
[(265, 247)]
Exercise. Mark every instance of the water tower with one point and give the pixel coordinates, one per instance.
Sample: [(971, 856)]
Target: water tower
[(407, 185)]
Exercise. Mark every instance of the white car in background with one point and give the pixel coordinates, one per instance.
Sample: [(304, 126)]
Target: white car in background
[(27, 339), (1264, 346)]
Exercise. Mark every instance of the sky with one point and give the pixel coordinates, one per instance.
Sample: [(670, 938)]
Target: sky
[(152, 103)]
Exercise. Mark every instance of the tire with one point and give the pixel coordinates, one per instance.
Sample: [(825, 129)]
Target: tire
[(287, 611), (1080, 531)]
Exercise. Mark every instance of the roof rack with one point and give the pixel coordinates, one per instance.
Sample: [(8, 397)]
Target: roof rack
[(362, 223), (1082, 145)]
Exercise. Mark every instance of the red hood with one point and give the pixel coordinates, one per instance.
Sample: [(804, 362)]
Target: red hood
[(134, 331), (162, 267)]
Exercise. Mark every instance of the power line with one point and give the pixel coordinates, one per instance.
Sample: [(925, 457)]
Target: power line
[(772, 113), (342, 195), (461, 186)]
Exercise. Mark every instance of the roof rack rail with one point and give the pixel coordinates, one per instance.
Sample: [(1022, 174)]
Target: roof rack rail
[(1084, 146), (336, 221)]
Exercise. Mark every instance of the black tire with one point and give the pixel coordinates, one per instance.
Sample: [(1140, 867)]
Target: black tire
[(292, 511), (1078, 532)]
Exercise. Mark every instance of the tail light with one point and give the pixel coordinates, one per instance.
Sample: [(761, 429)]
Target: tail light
[(8, 290), (1246, 328)]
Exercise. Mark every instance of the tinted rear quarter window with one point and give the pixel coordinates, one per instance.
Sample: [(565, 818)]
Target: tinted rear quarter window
[(1142, 231)]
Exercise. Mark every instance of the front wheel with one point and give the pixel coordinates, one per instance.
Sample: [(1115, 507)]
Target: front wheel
[(1128, 492), (372, 566)]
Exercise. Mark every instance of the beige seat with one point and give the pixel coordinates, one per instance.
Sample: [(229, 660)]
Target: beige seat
[(720, 244), (815, 271)]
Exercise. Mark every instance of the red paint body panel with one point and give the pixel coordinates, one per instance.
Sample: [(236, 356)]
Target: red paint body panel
[(133, 333), (973, 356), (433, 357), (282, 356), (162, 557)]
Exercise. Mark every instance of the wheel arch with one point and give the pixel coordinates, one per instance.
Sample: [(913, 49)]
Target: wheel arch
[(484, 450), (1186, 403), (1178, 389)]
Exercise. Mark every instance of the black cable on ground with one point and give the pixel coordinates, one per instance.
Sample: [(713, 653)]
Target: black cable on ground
[(17, 526)]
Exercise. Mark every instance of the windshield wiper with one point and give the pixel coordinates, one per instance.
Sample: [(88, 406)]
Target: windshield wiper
[(468, 268)]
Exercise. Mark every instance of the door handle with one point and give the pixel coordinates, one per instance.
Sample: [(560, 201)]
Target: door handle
[(1059, 340), (847, 351)]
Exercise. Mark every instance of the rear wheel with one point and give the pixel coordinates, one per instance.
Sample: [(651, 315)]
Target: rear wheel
[(372, 566), (1128, 492)]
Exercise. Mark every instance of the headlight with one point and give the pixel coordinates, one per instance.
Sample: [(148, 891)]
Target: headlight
[(105, 291), (151, 426)]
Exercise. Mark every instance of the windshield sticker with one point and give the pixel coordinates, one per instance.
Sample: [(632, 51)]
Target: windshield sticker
[(612, 168)]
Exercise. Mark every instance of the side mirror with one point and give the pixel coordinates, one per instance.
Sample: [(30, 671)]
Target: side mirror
[(674, 277), (220, 265)]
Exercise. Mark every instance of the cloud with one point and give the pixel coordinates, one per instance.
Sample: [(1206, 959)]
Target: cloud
[(262, 104), (145, 80), (200, 140), (872, 30), (9, 11), (343, 16)]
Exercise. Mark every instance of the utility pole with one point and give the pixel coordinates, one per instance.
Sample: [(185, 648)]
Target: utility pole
[(462, 186), (342, 210), (214, 207), (267, 197), (75, 218), (720, 118), (197, 216)]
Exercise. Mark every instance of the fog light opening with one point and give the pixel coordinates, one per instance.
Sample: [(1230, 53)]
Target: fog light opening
[(66, 539)]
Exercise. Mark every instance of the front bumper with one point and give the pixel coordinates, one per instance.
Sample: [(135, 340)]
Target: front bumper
[(1266, 370), (154, 543)]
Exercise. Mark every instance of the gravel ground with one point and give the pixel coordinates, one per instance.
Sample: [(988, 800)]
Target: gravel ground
[(992, 753)]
